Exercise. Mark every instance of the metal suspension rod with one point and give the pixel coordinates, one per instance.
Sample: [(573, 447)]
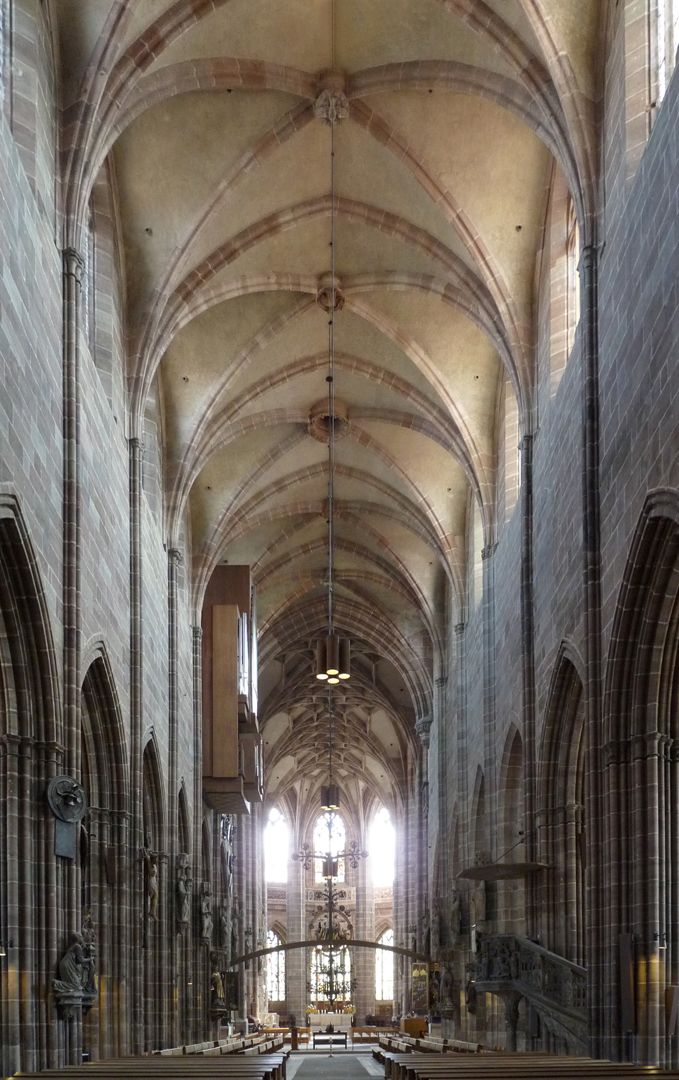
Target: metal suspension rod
[(331, 388)]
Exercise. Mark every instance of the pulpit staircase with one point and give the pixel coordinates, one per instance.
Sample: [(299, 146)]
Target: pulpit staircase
[(556, 989)]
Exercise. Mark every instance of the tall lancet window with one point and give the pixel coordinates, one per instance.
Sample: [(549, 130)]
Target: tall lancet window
[(382, 848), (276, 844), (324, 842), (384, 968)]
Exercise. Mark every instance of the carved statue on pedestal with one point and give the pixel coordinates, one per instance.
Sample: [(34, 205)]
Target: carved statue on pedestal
[(151, 880), (455, 917), (184, 889), (223, 923), (436, 928), (217, 995), (90, 988), (206, 911), (76, 985), (71, 967), (447, 985)]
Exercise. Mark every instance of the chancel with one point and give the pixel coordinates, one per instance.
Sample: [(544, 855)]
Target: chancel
[(339, 538)]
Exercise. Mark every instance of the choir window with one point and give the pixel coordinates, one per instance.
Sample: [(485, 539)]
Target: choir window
[(329, 842), (275, 969), (384, 968), (276, 841)]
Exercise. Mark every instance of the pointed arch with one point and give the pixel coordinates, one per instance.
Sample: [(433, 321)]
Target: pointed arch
[(103, 853), (29, 704), (153, 801), (641, 728), (478, 819), (103, 732), (643, 658), (184, 822), (30, 723), (562, 784), (511, 839)]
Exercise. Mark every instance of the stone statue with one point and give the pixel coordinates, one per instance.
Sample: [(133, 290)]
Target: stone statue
[(206, 911), (223, 922), (455, 916), (436, 928), (426, 934), (235, 923), (447, 985), (151, 882), (184, 888), (75, 968), (470, 991), (217, 996), (89, 949), (479, 903)]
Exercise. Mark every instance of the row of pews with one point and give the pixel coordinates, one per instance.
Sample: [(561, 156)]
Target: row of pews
[(406, 1058), (251, 1057), (235, 1044)]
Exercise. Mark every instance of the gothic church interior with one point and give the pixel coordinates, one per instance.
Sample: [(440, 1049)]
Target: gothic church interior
[(339, 335)]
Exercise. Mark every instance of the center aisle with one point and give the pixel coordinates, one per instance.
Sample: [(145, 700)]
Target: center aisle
[(341, 1066)]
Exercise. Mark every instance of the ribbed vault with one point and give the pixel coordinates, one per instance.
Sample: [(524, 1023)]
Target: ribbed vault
[(201, 112)]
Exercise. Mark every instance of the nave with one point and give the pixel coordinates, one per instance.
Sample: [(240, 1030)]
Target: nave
[(339, 532)]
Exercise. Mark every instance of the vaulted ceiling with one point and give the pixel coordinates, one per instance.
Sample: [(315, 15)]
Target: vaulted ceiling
[(457, 113)]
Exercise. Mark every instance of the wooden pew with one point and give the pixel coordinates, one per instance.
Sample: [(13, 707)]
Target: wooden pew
[(505, 1066), (206, 1064)]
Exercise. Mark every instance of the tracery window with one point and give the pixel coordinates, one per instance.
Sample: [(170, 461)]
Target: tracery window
[(384, 968), (382, 848), (275, 968), (333, 842), (572, 272), (276, 842), (666, 43), (319, 982), (88, 295)]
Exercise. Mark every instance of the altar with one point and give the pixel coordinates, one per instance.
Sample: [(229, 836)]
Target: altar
[(340, 1021)]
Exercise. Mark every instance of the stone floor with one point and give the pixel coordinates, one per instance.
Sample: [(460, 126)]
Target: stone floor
[(340, 1065)]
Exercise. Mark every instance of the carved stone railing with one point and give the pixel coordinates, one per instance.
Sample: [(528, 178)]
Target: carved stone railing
[(515, 967)]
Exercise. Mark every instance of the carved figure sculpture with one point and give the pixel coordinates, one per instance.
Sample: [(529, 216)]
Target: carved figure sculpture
[(89, 959), (206, 911), (152, 882), (426, 934), (446, 985), (436, 927), (73, 968), (479, 903), (223, 923), (331, 106), (236, 916), (184, 888), (455, 916), (217, 989)]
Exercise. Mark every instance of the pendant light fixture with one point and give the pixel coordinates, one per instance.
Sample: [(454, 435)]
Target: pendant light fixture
[(333, 653)]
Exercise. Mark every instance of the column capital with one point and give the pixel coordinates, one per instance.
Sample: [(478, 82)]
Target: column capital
[(488, 551), (73, 264), (526, 441), (197, 633), (422, 728), (175, 556), (460, 628)]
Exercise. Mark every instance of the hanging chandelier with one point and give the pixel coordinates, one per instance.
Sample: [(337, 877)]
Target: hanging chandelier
[(331, 934), (333, 653)]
